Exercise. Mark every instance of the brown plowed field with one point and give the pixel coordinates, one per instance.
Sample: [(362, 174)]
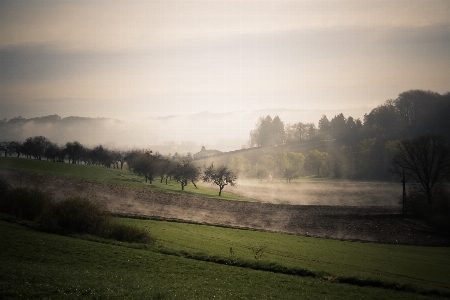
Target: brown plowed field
[(364, 223)]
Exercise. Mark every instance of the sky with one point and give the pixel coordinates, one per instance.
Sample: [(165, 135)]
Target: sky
[(132, 60)]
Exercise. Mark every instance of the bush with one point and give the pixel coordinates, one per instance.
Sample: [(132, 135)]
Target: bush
[(4, 188), (438, 215), (130, 234), (23, 202), (76, 215)]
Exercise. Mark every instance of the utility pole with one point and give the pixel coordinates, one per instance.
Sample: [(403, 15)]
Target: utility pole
[(404, 193)]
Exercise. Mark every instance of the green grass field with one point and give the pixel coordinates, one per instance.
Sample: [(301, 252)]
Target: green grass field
[(39, 265), (423, 267), (110, 176)]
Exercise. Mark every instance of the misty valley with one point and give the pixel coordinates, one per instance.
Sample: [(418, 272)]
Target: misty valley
[(377, 186), (191, 149)]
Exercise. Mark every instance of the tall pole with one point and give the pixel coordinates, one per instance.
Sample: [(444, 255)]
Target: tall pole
[(404, 193)]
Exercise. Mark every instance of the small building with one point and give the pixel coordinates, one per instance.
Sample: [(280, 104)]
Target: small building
[(206, 153)]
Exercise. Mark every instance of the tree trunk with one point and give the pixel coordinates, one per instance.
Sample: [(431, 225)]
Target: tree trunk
[(429, 197)]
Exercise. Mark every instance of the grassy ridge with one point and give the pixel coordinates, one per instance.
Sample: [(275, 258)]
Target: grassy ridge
[(422, 267), (39, 265), (109, 176)]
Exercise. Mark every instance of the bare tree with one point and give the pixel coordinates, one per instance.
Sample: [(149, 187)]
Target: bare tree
[(184, 172), (425, 160), (220, 176)]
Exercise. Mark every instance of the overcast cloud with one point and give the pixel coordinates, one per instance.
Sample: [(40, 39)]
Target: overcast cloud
[(135, 59)]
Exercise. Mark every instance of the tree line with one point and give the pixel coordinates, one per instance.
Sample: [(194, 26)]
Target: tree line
[(406, 137), (40, 147), (142, 162), (364, 148), (413, 113)]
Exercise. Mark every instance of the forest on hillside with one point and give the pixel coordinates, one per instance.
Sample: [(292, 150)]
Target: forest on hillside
[(340, 147), (360, 149), (404, 138)]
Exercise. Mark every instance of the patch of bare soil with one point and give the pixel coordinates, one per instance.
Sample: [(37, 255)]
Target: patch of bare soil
[(383, 224)]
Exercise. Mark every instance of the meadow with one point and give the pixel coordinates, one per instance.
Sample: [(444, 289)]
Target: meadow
[(192, 261), (40, 265), (321, 191), (423, 267), (110, 176)]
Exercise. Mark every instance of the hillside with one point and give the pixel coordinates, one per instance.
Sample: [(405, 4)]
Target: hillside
[(365, 223), (253, 154)]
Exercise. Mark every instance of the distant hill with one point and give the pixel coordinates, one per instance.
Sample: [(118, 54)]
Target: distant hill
[(253, 154), (168, 134)]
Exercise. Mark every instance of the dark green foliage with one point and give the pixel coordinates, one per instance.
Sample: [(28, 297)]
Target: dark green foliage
[(74, 215), (77, 215), (23, 202), (126, 233)]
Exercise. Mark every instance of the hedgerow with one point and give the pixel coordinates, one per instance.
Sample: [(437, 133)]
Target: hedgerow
[(73, 215)]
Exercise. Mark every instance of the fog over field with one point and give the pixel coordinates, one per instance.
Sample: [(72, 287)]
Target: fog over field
[(205, 71), (167, 134), (321, 193)]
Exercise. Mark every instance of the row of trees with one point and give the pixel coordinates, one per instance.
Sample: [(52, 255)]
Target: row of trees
[(180, 168), (287, 165), (412, 114), (40, 147), (143, 162)]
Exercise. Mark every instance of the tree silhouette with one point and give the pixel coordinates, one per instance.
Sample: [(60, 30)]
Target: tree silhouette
[(268, 132), (425, 160), (220, 176), (184, 172)]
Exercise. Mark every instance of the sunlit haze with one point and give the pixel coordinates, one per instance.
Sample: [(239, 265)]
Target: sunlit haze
[(134, 60)]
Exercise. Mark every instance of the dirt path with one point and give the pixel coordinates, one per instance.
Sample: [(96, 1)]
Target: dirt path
[(365, 223)]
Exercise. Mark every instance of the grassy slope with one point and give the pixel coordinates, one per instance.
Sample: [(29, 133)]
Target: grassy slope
[(39, 265), (108, 176), (252, 154), (423, 267), (420, 266)]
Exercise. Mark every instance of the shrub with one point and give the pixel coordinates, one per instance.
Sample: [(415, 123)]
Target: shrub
[(130, 234), (23, 202), (438, 215), (74, 215), (77, 215), (4, 188)]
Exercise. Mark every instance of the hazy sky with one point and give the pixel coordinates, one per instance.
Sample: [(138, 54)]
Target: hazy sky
[(133, 59)]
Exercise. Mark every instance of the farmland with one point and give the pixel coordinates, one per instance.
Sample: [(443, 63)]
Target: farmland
[(177, 267)]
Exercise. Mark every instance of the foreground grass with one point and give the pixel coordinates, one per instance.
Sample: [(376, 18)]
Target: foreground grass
[(109, 176), (423, 267), (39, 265)]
